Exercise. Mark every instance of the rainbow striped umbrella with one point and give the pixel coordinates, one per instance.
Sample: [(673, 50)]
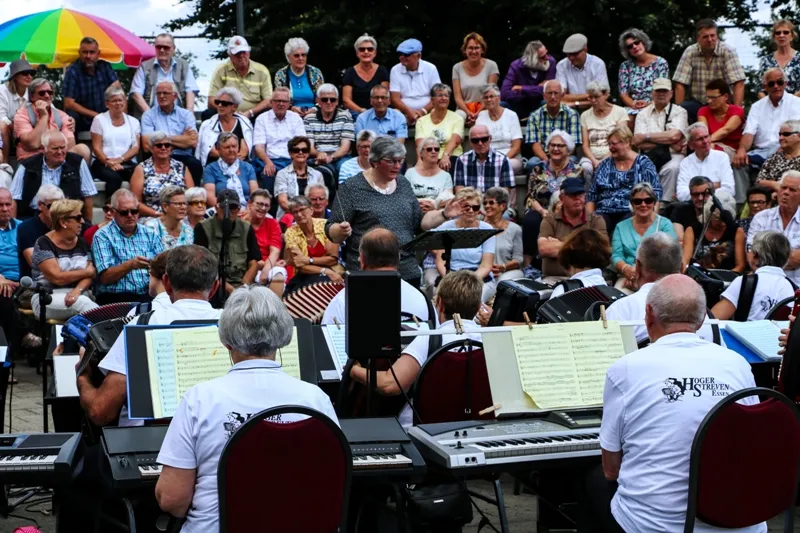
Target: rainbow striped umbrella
[(52, 38)]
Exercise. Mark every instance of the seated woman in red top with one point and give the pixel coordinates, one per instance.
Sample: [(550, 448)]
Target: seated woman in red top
[(725, 121), (309, 252), (271, 269)]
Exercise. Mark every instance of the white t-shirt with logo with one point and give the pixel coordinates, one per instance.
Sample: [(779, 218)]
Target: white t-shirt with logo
[(653, 402), (211, 412), (772, 287), (590, 278)]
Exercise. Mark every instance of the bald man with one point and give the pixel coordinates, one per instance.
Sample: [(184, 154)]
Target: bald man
[(482, 167)]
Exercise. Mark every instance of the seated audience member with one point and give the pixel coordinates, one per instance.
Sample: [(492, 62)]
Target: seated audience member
[(522, 88), (13, 95), (708, 59), (9, 270), (31, 229), (503, 126), (725, 120), (330, 131), (302, 79), (318, 196), (458, 293), (39, 116), (760, 138), (62, 262), (470, 75), (158, 171), (768, 255), (787, 158), (431, 185), (629, 234), (783, 218), (482, 167), (723, 244), (360, 163), (122, 252), (312, 256), (54, 166), (614, 178), (108, 216), (115, 141), (169, 225), (639, 70), (690, 214), (359, 80), (226, 120), (165, 66), (578, 69), (85, 82), (250, 78), (758, 199), (558, 226), (229, 171), (583, 255), (598, 120), (293, 179), (675, 310), (273, 130), (508, 251), (783, 35), (272, 269), (196, 198), (660, 132), (179, 126), (411, 82), (379, 251), (380, 118), (712, 164), (547, 176), (254, 327), (190, 280), (243, 250), (442, 124)]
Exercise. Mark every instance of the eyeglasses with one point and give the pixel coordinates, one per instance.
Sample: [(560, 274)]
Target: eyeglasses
[(487, 203), (163, 47), (430, 149), (126, 212), (195, 203), (315, 199), (756, 203), (261, 205), (379, 97), (178, 204), (329, 100), (780, 83), (398, 161), (782, 32), (475, 208), (701, 194), (162, 145), (474, 48), (640, 201), (712, 97), (106, 208), (300, 150), (366, 49), (787, 133), (557, 145), (27, 73), (298, 56), (275, 101), (479, 140), (223, 103), (164, 93), (630, 46), (44, 92), (76, 218)]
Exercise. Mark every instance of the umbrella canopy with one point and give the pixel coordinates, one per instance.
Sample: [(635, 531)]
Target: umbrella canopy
[(52, 38)]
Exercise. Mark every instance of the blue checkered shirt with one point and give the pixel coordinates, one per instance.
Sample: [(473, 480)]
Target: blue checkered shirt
[(111, 247), (541, 124), (494, 171), (88, 91)]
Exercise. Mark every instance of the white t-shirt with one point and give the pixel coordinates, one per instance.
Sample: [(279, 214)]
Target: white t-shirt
[(772, 287), (211, 412), (469, 258), (161, 301), (116, 139), (653, 402), (419, 350), (770, 219), (503, 130), (590, 278), (414, 86), (412, 301), (116, 360), (599, 128), (429, 186)]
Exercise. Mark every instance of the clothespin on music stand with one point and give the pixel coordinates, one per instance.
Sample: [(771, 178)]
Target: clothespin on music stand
[(338, 325), (416, 320), (457, 324), (527, 319), (603, 316), (490, 409)]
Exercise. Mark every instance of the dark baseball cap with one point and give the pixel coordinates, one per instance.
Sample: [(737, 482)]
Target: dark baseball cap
[(572, 186)]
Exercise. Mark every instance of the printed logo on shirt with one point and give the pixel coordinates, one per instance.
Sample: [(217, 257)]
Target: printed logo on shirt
[(235, 421), (768, 303), (676, 388)]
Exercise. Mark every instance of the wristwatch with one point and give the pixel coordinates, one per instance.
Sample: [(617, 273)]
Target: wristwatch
[(310, 260), (323, 271)]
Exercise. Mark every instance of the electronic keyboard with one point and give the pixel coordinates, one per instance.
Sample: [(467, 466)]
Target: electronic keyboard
[(131, 453), (38, 459), (381, 447)]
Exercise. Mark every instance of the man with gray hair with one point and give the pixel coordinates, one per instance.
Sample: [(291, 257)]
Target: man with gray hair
[(254, 327), (318, 196), (271, 134), (330, 131), (522, 88), (31, 229), (554, 115), (482, 167), (654, 400), (713, 164), (165, 66)]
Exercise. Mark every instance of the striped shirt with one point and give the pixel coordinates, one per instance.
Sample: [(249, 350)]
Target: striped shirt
[(327, 136), (693, 70), (111, 247), (541, 124), (52, 176), (494, 171), (255, 86)]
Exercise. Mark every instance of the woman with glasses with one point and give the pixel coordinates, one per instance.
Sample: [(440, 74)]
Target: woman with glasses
[(13, 95), (639, 70), (725, 121), (62, 262), (160, 170), (471, 75), (196, 198), (598, 120), (227, 120), (629, 234), (787, 158), (359, 80), (302, 79), (546, 177), (170, 227), (503, 125), (354, 165), (444, 125), (508, 251), (310, 254), (297, 176), (115, 141), (784, 57), (723, 244), (229, 171), (431, 184)]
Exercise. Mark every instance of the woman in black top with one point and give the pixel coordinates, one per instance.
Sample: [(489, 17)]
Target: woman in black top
[(723, 244), (361, 78)]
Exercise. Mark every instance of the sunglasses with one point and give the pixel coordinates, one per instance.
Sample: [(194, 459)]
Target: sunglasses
[(76, 218), (780, 83), (757, 202), (223, 103), (299, 55), (630, 46), (107, 209), (27, 73), (556, 145), (787, 133), (163, 47), (489, 202), (479, 140), (162, 145), (44, 93), (46, 205), (300, 150), (702, 194), (126, 212), (430, 149), (366, 49), (475, 208), (195, 203), (640, 201), (329, 100), (782, 32)]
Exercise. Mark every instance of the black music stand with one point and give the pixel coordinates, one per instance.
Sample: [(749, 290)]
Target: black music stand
[(449, 240)]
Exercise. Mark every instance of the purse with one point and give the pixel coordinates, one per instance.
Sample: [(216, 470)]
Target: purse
[(661, 154), (430, 505)]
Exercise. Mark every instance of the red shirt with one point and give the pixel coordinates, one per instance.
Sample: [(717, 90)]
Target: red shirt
[(733, 137), (268, 234)]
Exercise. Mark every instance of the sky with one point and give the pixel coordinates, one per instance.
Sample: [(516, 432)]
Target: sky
[(148, 21)]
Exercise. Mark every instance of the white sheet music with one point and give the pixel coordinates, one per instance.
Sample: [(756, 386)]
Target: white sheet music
[(64, 375), (3, 353), (335, 339), (761, 336)]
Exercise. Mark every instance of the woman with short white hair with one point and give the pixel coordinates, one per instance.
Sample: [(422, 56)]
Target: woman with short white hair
[(503, 125), (354, 165), (197, 200), (227, 120), (359, 80), (599, 120), (115, 141), (302, 79)]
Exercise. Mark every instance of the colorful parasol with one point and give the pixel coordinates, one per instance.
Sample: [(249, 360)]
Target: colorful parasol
[(52, 38)]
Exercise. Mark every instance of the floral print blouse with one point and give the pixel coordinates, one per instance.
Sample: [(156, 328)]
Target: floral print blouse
[(154, 182), (791, 72), (637, 81)]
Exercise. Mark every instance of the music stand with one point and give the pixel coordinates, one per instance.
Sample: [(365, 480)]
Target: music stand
[(449, 240)]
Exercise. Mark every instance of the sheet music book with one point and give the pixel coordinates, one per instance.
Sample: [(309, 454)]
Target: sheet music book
[(761, 336), (64, 375)]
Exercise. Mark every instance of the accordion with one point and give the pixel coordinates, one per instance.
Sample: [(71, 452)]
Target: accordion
[(573, 305), (79, 326), (515, 297), (310, 302)]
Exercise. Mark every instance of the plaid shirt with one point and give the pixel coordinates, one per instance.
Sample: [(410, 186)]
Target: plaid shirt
[(111, 247), (88, 90), (540, 124), (494, 171), (696, 73)]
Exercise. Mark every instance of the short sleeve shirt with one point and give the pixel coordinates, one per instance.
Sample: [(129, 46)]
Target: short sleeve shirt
[(770, 219), (78, 258), (599, 128), (452, 124), (468, 258), (733, 138), (503, 130), (414, 86), (255, 85), (471, 85), (772, 287), (327, 136), (693, 70), (555, 226)]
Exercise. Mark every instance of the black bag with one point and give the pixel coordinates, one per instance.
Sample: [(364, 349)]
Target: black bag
[(661, 154), (429, 505)]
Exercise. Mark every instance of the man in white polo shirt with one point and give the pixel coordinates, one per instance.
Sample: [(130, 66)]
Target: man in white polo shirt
[(713, 164), (653, 402), (411, 80)]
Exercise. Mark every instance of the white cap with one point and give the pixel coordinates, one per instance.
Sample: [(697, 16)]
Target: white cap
[(237, 44)]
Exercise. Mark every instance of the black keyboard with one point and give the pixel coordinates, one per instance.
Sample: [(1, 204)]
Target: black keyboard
[(131, 453), (381, 448), (39, 459)]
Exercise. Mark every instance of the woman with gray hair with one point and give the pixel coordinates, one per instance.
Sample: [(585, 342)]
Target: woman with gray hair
[(639, 70), (443, 124), (197, 200), (309, 254), (787, 158), (227, 120), (354, 165), (229, 172), (546, 177), (115, 141), (155, 173), (769, 254), (599, 120), (302, 79), (723, 244), (522, 87), (503, 125), (170, 226), (359, 80)]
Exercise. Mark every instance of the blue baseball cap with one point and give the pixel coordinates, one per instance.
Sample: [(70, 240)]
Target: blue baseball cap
[(409, 46), (572, 186)]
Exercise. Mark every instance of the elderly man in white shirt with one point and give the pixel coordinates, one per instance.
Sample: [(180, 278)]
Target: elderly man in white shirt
[(272, 132), (713, 164), (653, 402), (785, 218), (760, 136), (411, 80), (254, 326), (579, 68)]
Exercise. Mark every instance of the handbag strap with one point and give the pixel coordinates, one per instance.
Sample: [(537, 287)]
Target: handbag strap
[(669, 112)]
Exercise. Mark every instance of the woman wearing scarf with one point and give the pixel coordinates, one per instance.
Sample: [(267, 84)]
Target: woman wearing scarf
[(229, 172)]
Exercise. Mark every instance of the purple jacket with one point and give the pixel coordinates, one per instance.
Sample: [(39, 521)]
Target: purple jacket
[(519, 74)]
